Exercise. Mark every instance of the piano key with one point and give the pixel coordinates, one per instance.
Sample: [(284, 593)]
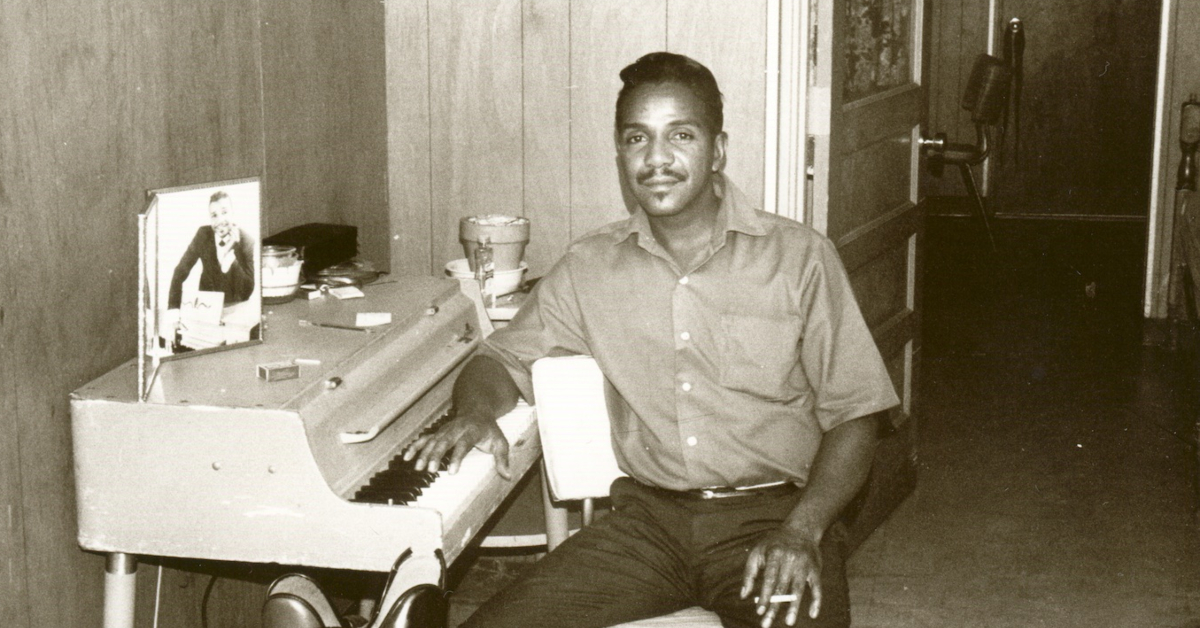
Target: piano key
[(397, 498), (400, 477), (446, 493)]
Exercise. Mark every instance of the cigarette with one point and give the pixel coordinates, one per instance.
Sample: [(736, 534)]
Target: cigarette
[(780, 599)]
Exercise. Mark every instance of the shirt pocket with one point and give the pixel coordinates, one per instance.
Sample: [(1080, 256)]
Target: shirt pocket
[(759, 355)]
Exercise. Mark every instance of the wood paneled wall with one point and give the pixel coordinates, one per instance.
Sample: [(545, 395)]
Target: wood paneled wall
[(325, 129), (506, 106), (958, 34), (102, 100)]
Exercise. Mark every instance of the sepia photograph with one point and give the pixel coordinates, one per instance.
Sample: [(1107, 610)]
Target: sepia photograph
[(600, 314), (200, 255)]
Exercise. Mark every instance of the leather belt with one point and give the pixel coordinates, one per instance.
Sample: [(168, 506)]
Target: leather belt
[(726, 492)]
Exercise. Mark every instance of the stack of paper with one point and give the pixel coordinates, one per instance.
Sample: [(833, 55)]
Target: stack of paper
[(204, 322)]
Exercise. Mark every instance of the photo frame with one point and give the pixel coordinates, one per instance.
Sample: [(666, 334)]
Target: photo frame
[(199, 272)]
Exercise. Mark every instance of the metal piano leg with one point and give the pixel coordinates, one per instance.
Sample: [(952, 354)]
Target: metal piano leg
[(120, 590), (414, 591)]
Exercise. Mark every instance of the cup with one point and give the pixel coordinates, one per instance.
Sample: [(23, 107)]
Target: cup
[(505, 236), (281, 267)]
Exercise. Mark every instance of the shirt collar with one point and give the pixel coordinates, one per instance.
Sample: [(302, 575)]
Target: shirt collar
[(735, 214)]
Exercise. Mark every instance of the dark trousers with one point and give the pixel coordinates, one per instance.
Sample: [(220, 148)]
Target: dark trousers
[(657, 553)]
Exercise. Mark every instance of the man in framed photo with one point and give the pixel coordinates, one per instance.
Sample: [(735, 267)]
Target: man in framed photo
[(225, 254)]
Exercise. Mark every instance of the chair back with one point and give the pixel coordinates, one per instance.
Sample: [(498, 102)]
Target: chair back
[(986, 93), (572, 415), (573, 422)]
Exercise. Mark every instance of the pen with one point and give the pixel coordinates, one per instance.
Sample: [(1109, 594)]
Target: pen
[(304, 323)]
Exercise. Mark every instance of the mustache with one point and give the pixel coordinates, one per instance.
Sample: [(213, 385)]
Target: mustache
[(659, 173)]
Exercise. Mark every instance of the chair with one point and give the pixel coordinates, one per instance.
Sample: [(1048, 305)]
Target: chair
[(985, 96), (572, 414)]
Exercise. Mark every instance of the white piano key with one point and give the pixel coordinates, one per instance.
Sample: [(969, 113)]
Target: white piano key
[(449, 494), (468, 498)]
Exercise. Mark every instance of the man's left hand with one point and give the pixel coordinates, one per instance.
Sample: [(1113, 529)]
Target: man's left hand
[(787, 561)]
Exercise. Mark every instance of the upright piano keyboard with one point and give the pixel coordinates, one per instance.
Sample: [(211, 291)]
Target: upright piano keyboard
[(219, 464)]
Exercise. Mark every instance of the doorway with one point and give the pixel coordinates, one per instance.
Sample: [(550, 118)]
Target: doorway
[(1078, 145)]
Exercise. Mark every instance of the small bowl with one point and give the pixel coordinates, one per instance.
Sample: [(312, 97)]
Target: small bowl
[(280, 283), (279, 294), (503, 281)]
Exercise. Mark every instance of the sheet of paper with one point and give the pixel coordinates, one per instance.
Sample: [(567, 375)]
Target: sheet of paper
[(204, 308), (371, 319), (346, 292)]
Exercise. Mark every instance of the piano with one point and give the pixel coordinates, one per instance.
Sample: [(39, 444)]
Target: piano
[(220, 464)]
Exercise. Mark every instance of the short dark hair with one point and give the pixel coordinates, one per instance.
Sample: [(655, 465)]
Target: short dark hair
[(667, 67), (218, 195)]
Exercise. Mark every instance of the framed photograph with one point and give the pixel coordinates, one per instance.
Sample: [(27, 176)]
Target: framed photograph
[(199, 272)]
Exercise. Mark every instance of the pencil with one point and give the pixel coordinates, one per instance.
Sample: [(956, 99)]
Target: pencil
[(304, 323)]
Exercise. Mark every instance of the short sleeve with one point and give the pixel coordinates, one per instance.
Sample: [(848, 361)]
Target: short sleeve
[(838, 353), (547, 325)]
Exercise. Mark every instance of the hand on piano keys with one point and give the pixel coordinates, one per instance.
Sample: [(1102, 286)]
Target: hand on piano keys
[(411, 479), (447, 443)]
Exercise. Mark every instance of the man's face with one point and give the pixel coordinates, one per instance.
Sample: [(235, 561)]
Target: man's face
[(219, 217), (666, 152)]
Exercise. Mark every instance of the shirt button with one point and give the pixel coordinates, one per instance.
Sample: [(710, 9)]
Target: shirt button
[(683, 281), (691, 441), (687, 387), (685, 336)]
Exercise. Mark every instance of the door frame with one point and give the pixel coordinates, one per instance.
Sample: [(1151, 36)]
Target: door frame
[(786, 158), (1166, 152)]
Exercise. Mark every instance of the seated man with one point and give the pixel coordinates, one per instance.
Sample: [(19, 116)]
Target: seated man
[(225, 254), (742, 366)]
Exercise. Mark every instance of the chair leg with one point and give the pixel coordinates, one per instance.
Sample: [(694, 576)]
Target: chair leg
[(589, 511), (968, 177), (557, 526)]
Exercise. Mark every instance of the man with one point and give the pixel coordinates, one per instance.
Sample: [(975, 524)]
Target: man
[(225, 254), (741, 364)]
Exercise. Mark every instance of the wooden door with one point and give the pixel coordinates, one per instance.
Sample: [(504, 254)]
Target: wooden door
[(866, 108)]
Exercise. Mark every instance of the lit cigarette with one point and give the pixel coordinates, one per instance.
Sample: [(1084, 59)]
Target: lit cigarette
[(780, 599)]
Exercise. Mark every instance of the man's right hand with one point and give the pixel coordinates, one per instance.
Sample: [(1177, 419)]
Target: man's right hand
[(458, 437)]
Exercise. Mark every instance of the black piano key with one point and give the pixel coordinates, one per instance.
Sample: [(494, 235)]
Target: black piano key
[(400, 483), (396, 482), (401, 496), (391, 500)]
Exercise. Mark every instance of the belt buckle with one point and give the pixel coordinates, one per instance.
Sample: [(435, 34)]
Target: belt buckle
[(721, 492)]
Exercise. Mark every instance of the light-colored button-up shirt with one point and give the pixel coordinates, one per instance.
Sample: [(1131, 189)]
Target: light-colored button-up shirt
[(725, 374)]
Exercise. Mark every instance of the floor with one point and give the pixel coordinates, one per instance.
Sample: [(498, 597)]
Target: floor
[(1055, 452)]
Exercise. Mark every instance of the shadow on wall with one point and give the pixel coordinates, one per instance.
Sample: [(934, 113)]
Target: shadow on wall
[(1087, 116)]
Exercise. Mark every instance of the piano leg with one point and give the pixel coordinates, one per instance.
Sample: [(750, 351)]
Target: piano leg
[(414, 588), (120, 590)]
